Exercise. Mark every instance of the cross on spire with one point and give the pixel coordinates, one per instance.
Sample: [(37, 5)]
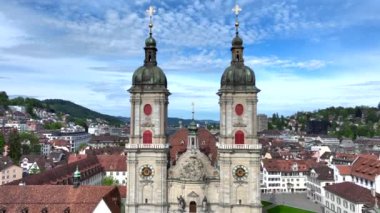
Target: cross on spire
[(151, 11), (237, 9)]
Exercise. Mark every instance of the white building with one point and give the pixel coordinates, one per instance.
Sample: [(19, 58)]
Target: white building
[(76, 139), (114, 166), (342, 173), (285, 176), (319, 178), (348, 197)]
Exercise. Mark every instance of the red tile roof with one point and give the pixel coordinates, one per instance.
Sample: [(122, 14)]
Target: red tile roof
[(75, 157), (352, 192), (60, 142), (279, 165), (324, 173), (58, 198), (366, 168), (344, 169), (113, 162), (62, 175), (207, 142)]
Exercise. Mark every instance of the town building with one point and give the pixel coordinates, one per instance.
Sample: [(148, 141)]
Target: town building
[(285, 175), (8, 171), (76, 139), (114, 166), (347, 197), (319, 178)]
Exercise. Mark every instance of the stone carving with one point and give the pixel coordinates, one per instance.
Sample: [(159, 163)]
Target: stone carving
[(181, 203), (192, 169)]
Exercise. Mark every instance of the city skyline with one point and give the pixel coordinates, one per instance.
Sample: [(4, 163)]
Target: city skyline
[(305, 55)]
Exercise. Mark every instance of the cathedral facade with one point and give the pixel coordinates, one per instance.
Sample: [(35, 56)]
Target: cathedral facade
[(191, 171)]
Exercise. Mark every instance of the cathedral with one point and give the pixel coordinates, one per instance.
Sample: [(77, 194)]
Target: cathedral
[(191, 171)]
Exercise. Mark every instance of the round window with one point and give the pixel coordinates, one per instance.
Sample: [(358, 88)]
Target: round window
[(147, 109), (239, 109)]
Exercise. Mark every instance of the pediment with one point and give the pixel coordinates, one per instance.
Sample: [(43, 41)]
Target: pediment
[(193, 194)]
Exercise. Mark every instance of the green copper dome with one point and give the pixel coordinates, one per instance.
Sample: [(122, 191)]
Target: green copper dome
[(150, 42), (237, 41), (149, 77), (238, 77)]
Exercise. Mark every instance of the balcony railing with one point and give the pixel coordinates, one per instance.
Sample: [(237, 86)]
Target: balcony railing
[(238, 146), (147, 146)]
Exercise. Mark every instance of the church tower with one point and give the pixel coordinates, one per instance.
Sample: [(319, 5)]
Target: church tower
[(238, 148), (147, 151)]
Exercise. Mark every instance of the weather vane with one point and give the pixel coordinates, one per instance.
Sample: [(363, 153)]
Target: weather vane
[(236, 10), (151, 12)]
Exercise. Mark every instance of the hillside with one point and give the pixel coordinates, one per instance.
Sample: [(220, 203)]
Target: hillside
[(78, 112), (349, 122), (60, 107)]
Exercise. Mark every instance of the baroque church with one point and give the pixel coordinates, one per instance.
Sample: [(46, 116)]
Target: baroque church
[(191, 171)]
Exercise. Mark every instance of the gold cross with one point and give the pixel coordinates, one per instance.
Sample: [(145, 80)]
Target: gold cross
[(236, 9), (151, 11)]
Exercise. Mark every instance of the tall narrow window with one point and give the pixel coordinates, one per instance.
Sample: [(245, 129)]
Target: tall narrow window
[(239, 137), (147, 137)]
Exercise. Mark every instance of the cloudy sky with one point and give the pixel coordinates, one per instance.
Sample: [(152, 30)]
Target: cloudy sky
[(306, 54)]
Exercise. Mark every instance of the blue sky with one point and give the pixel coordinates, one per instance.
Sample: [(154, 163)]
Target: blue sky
[(306, 54)]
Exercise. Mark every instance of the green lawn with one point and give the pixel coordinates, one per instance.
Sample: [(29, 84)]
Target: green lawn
[(266, 203), (287, 209)]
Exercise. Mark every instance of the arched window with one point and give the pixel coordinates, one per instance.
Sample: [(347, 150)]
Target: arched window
[(239, 137), (147, 137)]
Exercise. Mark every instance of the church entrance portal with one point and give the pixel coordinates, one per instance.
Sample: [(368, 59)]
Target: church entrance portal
[(193, 207)]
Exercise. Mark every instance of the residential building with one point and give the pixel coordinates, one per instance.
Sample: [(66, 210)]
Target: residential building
[(76, 139), (319, 178), (114, 166), (348, 197), (286, 176), (365, 172), (102, 141), (342, 173), (8, 171)]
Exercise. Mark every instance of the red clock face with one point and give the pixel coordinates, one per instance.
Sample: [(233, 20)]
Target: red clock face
[(147, 109), (239, 109)]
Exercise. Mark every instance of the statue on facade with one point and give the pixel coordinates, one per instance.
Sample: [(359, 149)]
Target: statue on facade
[(181, 203)]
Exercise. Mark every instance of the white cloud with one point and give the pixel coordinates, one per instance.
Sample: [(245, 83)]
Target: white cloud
[(285, 63)]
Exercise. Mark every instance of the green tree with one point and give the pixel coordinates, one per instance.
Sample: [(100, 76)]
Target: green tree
[(372, 117), (108, 181), (82, 123), (4, 100), (34, 144), (2, 143), (53, 125), (15, 146)]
